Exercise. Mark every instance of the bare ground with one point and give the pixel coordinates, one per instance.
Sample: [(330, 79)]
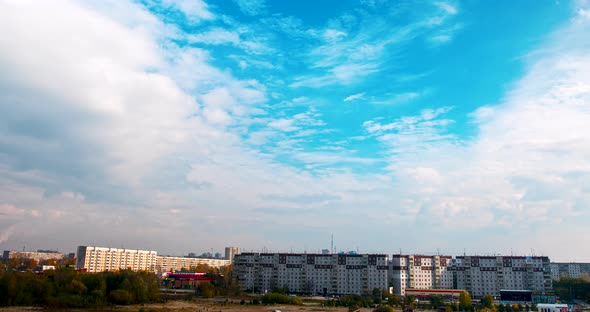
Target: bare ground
[(196, 306)]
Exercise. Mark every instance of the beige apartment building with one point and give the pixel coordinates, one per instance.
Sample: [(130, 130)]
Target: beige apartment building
[(171, 263), (99, 259)]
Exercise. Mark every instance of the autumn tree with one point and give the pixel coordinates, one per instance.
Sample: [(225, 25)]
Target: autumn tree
[(487, 301), (465, 301)]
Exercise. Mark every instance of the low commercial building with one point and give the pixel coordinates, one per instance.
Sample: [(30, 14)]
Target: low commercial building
[(326, 274)]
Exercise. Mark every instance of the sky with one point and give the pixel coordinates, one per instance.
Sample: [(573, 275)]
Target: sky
[(452, 127)]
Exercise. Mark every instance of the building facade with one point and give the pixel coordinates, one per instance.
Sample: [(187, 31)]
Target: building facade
[(99, 259), (35, 255), (311, 273), (481, 275), (230, 253), (420, 272), (175, 264), (571, 269)]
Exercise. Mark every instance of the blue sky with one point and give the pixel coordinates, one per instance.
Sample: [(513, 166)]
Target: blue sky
[(185, 125)]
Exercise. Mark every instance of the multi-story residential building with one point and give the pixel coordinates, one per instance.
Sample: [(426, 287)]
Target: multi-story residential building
[(311, 273), (171, 263), (481, 275), (230, 252), (39, 255), (419, 272), (571, 269), (99, 259)]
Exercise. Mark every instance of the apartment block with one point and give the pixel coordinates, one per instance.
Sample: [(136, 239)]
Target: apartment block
[(571, 269), (481, 275), (171, 263), (420, 272), (99, 259), (35, 255), (230, 252), (311, 273)]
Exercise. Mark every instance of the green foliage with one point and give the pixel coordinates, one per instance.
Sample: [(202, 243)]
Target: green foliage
[(120, 296), (276, 298), (206, 290), (436, 301), (487, 301), (383, 308), (409, 301), (377, 295), (569, 289), (355, 300), (66, 288)]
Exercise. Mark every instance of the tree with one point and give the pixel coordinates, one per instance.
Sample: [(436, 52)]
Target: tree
[(377, 294), (206, 290), (465, 301), (487, 301), (409, 300), (436, 301)]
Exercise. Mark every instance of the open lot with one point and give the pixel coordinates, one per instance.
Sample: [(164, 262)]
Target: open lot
[(199, 306)]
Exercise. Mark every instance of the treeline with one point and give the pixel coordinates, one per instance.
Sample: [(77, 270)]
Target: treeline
[(569, 289), (385, 302), (66, 288)]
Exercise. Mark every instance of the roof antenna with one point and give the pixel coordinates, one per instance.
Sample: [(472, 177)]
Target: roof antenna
[(332, 244)]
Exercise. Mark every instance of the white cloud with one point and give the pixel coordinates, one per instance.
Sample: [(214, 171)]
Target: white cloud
[(130, 133), (195, 10), (251, 7), (216, 36), (354, 97), (332, 35), (527, 166), (447, 7)]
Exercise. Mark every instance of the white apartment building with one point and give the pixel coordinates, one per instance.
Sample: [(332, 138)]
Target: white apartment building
[(35, 255), (479, 275), (571, 269), (171, 263), (420, 272), (230, 252), (311, 273), (99, 259)]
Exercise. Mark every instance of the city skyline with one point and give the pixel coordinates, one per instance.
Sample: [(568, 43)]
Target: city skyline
[(186, 125)]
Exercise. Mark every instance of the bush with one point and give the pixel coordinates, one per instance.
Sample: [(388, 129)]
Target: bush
[(274, 298), (120, 296)]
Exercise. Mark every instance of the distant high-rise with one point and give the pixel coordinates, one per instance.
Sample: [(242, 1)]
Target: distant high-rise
[(572, 269), (230, 252)]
